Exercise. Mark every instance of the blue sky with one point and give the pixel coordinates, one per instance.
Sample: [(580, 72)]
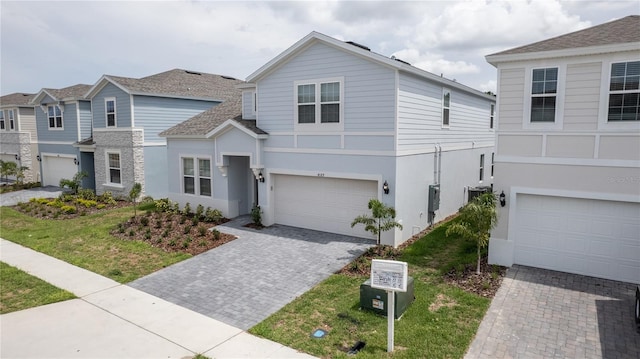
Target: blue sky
[(54, 44)]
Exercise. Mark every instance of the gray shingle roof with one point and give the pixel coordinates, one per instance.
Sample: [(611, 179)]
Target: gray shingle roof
[(207, 121), (181, 83), (16, 99), (620, 31), (75, 92)]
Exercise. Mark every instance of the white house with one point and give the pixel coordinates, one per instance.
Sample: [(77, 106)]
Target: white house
[(568, 153), (328, 125)]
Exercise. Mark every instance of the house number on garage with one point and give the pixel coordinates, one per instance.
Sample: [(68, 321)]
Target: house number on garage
[(320, 174)]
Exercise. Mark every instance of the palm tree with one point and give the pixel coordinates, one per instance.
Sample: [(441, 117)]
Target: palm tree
[(382, 219), (476, 220)]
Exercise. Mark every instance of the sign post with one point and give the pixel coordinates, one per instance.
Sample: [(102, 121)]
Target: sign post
[(392, 277)]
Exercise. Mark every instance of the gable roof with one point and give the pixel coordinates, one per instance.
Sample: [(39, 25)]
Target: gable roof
[(360, 51), (204, 123), (16, 99), (618, 35), (75, 92), (176, 83)]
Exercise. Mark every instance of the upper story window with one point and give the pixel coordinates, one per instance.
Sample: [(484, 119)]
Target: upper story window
[(492, 162), (481, 167), (624, 92), (114, 170), (544, 87), (55, 116), (12, 124), (110, 111), (2, 124), (196, 180), (319, 102), (446, 106), (492, 115)]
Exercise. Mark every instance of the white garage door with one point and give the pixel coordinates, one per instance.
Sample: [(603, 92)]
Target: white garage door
[(589, 237), (323, 204), (55, 168)]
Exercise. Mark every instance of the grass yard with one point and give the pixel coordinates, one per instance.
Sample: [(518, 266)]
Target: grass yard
[(440, 323), (21, 291), (85, 242)]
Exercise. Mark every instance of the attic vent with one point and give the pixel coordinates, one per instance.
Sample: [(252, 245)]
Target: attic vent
[(25, 94), (397, 59), (193, 72), (358, 45), (228, 77)]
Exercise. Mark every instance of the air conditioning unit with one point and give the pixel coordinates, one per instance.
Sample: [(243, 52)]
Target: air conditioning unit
[(474, 192)]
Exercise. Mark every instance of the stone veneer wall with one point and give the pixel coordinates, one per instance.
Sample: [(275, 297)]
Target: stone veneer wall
[(130, 145), (20, 143)]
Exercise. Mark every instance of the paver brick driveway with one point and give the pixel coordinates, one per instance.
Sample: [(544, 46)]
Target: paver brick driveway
[(244, 281), (540, 313)]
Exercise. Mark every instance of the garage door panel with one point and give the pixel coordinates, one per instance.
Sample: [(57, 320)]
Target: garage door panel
[(321, 203), (55, 168), (591, 237)]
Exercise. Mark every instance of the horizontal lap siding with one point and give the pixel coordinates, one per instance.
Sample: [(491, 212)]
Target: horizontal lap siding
[(369, 93), (511, 96), (123, 107), (85, 119), (28, 122), (582, 96), (69, 123), (156, 114)]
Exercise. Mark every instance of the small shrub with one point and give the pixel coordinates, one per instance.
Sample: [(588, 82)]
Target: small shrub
[(106, 198), (173, 243), (100, 205), (183, 219), (144, 221), (202, 231), (121, 229), (187, 209), (202, 243), (147, 200), (187, 229), (195, 221), (147, 236), (163, 205), (165, 234), (212, 215), (170, 226), (159, 224), (87, 203), (131, 233), (216, 234), (83, 213), (175, 208), (87, 194), (256, 215), (159, 240), (68, 209), (56, 215), (200, 211)]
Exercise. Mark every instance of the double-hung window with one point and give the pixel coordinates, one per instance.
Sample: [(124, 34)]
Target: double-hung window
[(319, 102), (196, 180), (492, 114), (55, 116), (624, 92), (2, 124), (481, 167), (446, 106), (492, 162), (110, 111), (544, 87), (12, 124), (114, 169)]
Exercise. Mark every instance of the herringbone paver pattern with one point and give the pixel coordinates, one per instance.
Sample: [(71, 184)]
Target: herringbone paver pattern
[(540, 313), (244, 281)]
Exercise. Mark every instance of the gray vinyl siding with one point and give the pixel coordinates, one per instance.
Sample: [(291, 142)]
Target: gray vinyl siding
[(123, 107), (156, 114), (69, 123), (27, 118), (582, 96), (85, 119), (247, 105), (511, 92), (58, 149), (369, 90), (420, 116)]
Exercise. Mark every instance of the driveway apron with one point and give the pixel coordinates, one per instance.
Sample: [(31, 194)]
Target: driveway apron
[(244, 281), (539, 313), (13, 198)]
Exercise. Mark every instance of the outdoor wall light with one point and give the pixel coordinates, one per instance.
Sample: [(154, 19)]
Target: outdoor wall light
[(38, 158), (76, 162), (385, 187), (503, 199), (260, 177), (17, 157)]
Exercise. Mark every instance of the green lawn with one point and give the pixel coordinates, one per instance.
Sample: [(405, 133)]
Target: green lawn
[(85, 241), (440, 323), (21, 291)]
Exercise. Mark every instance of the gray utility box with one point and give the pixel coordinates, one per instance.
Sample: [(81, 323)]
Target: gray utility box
[(434, 198), (376, 299)]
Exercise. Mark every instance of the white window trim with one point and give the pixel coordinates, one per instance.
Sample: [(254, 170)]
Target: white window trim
[(61, 118), (493, 162), (318, 126), (492, 116), (3, 127), (108, 168), (442, 124), (481, 173), (603, 115), (196, 174), (526, 115), (11, 117), (115, 112)]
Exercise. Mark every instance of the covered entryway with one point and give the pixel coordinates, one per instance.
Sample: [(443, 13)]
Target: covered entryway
[(597, 238), (322, 203), (55, 167)]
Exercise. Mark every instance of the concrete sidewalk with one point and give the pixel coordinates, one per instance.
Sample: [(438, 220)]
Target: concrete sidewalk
[(110, 320)]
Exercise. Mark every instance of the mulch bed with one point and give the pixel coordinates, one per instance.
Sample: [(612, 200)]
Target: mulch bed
[(42, 211)]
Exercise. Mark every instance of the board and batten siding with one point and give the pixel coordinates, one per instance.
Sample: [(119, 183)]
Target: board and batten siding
[(420, 116), (85, 120), (156, 114), (69, 123), (582, 96), (123, 107), (369, 90)]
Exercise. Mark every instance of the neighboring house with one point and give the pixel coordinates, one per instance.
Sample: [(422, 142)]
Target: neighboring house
[(18, 135), (128, 114), (63, 117), (328, 125), (568, 153)]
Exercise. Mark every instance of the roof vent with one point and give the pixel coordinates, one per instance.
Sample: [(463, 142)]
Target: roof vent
[(397, 59), (228, 77), (192, 72), (358, 45)]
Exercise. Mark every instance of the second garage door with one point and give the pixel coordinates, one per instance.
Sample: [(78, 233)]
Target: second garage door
[(55, 168), (323, 204), (583, 236)]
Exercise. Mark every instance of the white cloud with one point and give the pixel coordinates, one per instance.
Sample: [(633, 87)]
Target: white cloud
[(436, 64)]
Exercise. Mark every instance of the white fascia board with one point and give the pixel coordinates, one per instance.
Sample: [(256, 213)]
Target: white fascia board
[(36, 100), (578, 51), (185, 137), (227, 125), (246, 86), (102, 83), (147, 94)]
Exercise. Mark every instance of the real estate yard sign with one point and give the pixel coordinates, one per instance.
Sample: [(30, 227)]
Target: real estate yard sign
[(392, 277)]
